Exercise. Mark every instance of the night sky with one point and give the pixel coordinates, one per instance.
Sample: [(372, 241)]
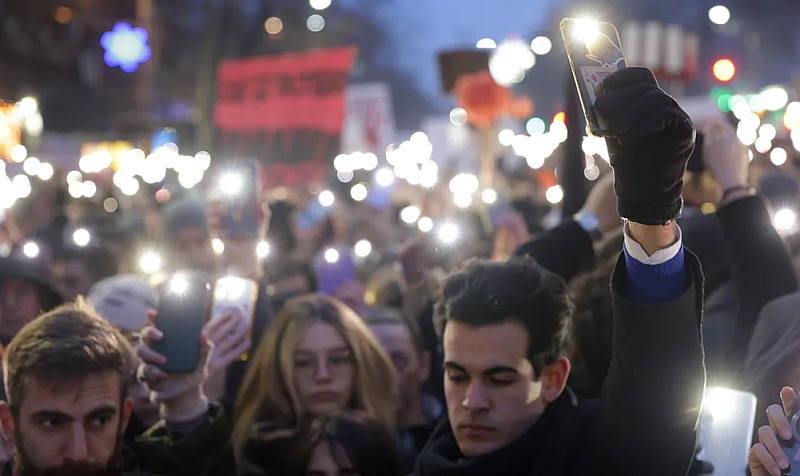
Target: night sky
[(421, 29)]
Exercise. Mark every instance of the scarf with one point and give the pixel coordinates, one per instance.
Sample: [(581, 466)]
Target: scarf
[(549, 448)]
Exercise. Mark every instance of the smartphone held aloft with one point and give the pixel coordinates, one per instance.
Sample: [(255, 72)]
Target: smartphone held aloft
[(595, 51)]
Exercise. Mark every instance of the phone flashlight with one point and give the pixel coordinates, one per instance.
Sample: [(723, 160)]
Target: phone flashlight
[(230, 183), (331, 255), (784, 220), (586, 31), (229, 289), (31, 249), (178, 285), (81, 237), (448, 233), (150, 263)]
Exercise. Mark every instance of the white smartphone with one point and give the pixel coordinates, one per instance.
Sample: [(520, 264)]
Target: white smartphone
[(235, 293), (726, 429)]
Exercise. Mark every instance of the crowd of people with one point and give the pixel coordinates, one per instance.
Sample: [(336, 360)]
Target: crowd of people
[(585, 349)]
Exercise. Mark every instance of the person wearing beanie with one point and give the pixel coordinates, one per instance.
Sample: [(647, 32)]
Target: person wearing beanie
[(185, 230), (123, 301), (25, 292)]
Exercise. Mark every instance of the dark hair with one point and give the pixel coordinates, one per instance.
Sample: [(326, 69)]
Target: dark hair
[(593, 322), (99, 262), (355, 440), (65, 346), (376, 316), (290, 269), (484, 293)]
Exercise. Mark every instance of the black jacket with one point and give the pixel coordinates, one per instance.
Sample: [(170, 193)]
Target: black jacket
[(644, 423)]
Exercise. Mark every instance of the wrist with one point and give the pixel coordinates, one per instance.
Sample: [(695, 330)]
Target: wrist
[(653, 238), (734, 193), (589, 222), (185, 408)]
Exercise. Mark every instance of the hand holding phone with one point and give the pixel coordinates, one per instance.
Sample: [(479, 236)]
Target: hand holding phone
[(179, 394), (778, 449), (595, 51)]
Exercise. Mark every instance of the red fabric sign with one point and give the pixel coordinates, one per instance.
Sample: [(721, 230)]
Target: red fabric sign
[(285, 110)]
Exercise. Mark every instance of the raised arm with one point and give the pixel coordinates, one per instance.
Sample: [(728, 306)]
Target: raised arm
[(651, 399)]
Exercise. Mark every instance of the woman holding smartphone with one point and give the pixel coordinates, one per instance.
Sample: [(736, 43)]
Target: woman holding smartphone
[(317, 358)]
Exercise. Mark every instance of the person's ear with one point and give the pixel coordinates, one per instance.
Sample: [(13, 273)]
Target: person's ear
[(554, 379), (6, 418), (127, 410), (424, 366)]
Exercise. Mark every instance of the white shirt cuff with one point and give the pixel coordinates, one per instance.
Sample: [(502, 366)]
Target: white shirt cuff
[(638, 253)]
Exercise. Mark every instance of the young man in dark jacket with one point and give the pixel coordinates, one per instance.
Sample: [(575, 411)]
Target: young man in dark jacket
[(504, 330)]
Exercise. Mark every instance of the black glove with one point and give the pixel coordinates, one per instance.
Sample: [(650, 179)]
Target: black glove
[(651, 139)]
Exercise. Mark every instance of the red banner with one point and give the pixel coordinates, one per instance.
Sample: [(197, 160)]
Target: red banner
[(285, 110)]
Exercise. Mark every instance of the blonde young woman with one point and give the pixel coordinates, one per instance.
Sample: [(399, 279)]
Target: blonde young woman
[(318, 357)]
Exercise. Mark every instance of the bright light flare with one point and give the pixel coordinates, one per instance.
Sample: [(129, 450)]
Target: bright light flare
[(489, 196), (506, 137), (448, 233), (326, 198), (410, 214), (486, 44), (541, 45), (19, 153), (179, 285), (230, 183), (218, 246), (331, 255), (31, 249), (778, 156), (363, 248), (719, 15), (784, 219), (263, 249), (319, 4), (425, 224), (720, 403), (462, 200), (45, 171), (586, 30), (150, 263), (81, 237), (384, 177), (554, 194), (359, 192)]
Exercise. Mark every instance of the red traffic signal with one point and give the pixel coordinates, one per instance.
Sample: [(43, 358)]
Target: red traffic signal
[(724, 70)]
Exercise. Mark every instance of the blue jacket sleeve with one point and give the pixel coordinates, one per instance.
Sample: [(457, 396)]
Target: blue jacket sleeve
[(654, 284)]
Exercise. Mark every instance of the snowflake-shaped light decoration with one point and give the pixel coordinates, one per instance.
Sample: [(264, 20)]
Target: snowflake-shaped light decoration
[(125, 47)]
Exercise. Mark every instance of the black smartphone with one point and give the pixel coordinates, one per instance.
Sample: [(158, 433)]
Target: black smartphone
[(595, 51), (791, 447), (696, 160), (184, 307)]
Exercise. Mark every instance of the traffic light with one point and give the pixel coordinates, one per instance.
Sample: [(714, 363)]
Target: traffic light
[(724, 70)]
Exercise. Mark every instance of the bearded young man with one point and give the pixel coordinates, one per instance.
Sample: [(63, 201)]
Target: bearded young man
[(67, 375)]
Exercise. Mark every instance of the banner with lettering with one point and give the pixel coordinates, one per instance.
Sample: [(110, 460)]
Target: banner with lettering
[(285, 110)]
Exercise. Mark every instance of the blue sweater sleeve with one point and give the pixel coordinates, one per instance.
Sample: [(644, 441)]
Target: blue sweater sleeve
[(654, 284)]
